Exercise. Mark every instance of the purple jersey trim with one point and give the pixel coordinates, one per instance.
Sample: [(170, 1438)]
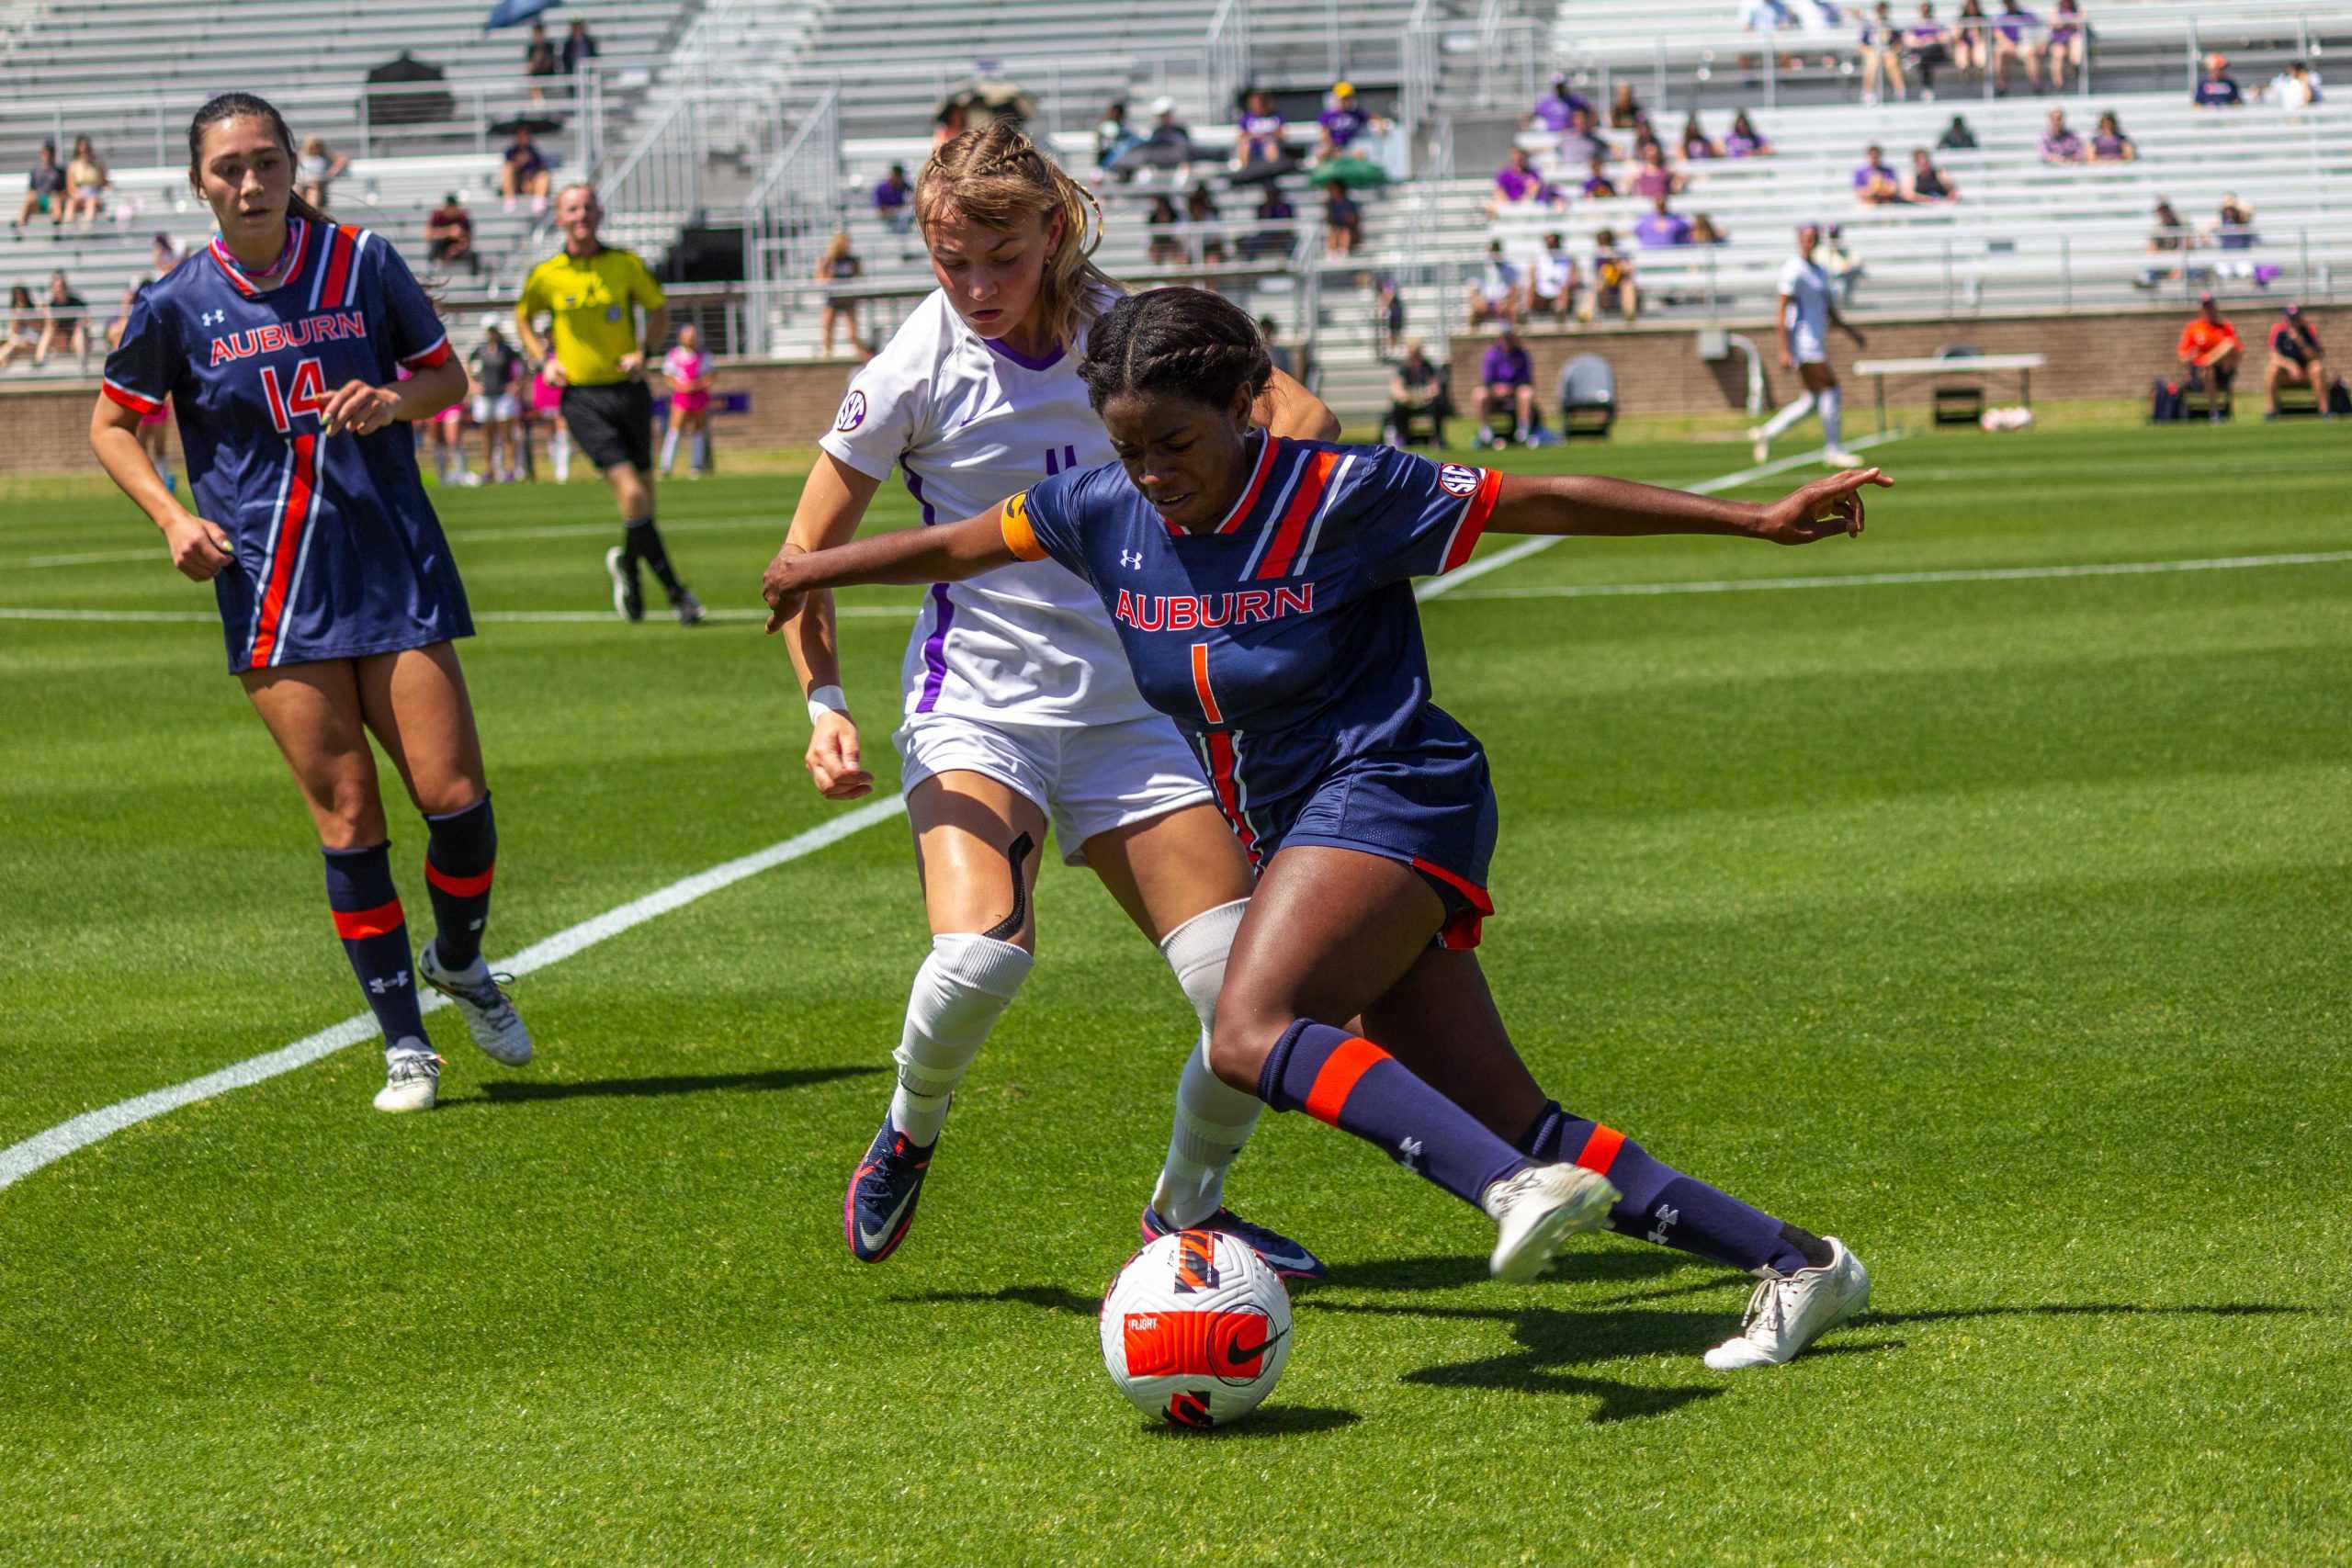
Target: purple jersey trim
[(934, 649), (1025, 361)]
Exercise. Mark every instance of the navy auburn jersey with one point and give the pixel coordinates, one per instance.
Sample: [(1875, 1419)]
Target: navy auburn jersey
[(1286, 643), (337, 552)]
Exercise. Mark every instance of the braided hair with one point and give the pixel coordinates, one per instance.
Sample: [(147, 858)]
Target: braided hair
[(997, 177), (1186, 343)]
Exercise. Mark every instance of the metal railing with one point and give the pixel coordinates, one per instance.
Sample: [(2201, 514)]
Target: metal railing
[(792, 210), (663, 175), (1227, 45)]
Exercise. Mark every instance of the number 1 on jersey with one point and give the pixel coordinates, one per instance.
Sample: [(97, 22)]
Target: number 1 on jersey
[(309, 394)]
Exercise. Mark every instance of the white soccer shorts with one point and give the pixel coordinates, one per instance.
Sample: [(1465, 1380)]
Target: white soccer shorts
[(504, 406), (1806, 346), (1086, 779)]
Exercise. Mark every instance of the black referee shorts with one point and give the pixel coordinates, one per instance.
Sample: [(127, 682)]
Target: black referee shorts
[(611, 423)]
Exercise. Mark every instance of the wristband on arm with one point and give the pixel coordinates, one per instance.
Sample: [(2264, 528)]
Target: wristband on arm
[(827, 699)]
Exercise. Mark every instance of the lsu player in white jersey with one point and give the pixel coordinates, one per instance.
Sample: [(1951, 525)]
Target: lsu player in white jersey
[(1804, 318), (1019, 711)]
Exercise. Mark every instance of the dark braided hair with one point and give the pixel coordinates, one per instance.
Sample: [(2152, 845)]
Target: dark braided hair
[(246, 106), (1184, 341)]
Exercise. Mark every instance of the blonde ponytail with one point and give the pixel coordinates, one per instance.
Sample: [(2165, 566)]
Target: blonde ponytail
[(995, 176)]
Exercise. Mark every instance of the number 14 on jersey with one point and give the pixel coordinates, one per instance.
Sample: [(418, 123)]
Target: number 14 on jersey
[(308, 395)]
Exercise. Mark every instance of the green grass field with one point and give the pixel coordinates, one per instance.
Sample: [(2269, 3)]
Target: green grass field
[(1998, 925)]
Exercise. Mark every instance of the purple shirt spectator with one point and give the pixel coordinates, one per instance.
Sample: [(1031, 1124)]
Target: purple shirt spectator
[(2012, 24), (1599, 185), (1506, 364), (2218, 92), (1556, 109), (1739, 144), (1654, 183), (1522, 185), (2061, 146), (1657, 229), (1874, 176), (1344, 122), (890, 195), (2106, 146)]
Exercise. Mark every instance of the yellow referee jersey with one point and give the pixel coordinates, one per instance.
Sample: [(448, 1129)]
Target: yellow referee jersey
[(590, 300)]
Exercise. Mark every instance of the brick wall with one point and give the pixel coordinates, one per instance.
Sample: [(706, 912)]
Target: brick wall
[(2116, 355)]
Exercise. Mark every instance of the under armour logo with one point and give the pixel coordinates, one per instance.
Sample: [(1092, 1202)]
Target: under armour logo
[(214, 318), (1131, 559), (1409, 1154), (383, 983), (1665, 1216)]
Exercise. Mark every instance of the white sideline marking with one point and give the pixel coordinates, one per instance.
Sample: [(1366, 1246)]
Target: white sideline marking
[(1896, 579), (1452, 582), (20, 1160)]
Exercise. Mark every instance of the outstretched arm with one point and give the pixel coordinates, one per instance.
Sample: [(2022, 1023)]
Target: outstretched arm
[(1590, 506), (949, 553), (1287, 407)]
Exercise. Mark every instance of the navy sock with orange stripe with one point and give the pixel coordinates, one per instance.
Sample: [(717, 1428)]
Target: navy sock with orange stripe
[(1661, 1204), (459, 860), (1358, 1087), (375, 934)]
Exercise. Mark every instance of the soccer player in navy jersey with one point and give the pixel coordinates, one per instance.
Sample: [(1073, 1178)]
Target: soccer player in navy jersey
[(279, 351), (1261, 590)]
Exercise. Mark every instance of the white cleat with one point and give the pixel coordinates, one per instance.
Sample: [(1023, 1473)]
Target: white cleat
[(1759, 445), (490, 1018), (412, 1074), (1838, 457), (1538, 1209), (1790, 1311)]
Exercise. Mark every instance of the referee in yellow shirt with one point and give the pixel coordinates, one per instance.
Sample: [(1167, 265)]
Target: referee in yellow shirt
[(593, 293)]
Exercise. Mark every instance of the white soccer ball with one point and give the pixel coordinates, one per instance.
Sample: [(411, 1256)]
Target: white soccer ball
[(1196, 1329)]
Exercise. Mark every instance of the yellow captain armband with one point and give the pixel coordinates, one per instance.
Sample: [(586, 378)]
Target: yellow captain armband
[(1019, 536)]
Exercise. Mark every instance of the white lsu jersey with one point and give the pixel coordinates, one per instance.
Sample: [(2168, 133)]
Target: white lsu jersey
[(969, 423), (1805, 284)]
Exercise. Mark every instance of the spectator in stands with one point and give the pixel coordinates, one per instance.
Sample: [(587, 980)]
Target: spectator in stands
[(1283, 360), (1928, 184), (1661, 228), (524, 173), (1875, 185), (1970, 38), (2297, 360), (1506, 381), (1345, 119), (1582, 143), (840, 263), (1342, 222), (1596, 182), (2170, 237), (1765, 16), (2108, 144), (1624, 110), (24, 326), (1837, 259), (2293, 88), (120, 322), (579, 46), (317, 170), (1257, 148), (1166, 247), (2059, 144), (1519, 187), (44, 187), (2066, 47), (2209, 344), (86, 182), (1114, 136), (1208, 226), (540, 61), (163, 253), (449, 235), (1926, 43), (892, 196), (1705, 233), (1881, 48), (2234, 225), (1168, 145), (65, 321), (1496, 295), (947, 124), (1555, 110), (1696, 142), (1387, 311), (2218, 90), (1552, 282), (1279, 236), (1418, 387), (1654, 179), (1745, 141), (1613, 277), (1957, 137), (2013, 41)]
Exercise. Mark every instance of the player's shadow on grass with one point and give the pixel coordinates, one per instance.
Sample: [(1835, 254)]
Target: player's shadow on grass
[(508, 1092), (1271, 1421), (1448, 1271)]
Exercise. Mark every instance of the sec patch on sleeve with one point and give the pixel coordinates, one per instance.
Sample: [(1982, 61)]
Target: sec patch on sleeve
[(1456, 480), (852, 412)]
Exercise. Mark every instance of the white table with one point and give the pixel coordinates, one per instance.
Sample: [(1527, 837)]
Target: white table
[(2025, 365)]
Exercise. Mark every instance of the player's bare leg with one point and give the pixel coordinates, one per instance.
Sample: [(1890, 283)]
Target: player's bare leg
[(1182, 878), (976, 850)]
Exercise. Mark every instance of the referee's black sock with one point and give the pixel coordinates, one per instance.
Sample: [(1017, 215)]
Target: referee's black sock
[(642, 540)]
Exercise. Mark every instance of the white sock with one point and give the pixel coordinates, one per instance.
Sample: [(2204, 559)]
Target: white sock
[(1833, 419), (959, 993), (670, 449), (1212, 1118), (1788, 416), (559, 449)]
